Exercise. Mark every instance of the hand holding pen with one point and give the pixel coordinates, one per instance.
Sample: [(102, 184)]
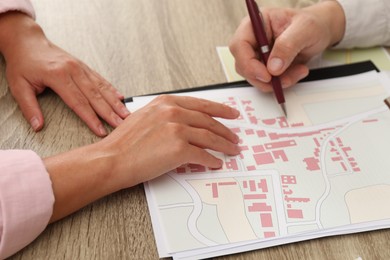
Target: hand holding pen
[(297, 35)]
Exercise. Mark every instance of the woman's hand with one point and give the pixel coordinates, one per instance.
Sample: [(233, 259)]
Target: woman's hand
[(169, 132), (165, 134), (34, 63)]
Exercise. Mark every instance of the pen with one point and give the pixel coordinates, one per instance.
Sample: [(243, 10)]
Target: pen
[(264, 49)]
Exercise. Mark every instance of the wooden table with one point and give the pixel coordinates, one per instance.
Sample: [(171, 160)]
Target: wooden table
[(141, 46)]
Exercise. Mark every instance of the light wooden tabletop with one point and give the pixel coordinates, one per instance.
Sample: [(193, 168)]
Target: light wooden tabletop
[(140, 47)]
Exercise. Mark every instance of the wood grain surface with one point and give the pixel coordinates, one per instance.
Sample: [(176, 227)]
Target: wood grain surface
[(140, 46)]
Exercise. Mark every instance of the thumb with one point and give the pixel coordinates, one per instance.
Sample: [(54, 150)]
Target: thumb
[(286, 48), (25, 96)]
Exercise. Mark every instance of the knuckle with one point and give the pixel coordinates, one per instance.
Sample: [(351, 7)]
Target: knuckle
[(163, 99), (308, 19), (211, 137), (61, 68), (285, 47), (171, 113), (98, 89), (204, 105), (79, 102), (95, 93), (238, 68), (244, 70), (233, 46), (71, 63), (211, 123), (288, 46), (102, 86), (175, 130), (56, 70), (179, 147), (118, 104)]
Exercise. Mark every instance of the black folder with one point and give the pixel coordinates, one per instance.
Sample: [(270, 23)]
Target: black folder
[(314, 74)]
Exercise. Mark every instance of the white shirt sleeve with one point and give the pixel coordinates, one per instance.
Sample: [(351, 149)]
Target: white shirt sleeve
[(24, 6), (367, 23)]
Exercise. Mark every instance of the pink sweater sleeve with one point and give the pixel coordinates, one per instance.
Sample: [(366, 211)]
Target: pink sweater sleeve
[(24, 6), (26, 199)]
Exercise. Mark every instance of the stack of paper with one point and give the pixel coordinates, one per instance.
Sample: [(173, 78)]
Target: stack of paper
[(324, 170)]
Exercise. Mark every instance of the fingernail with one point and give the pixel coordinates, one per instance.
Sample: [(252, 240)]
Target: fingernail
[(275, 64), (118, 94), (34, 122), (220, 164), (125, 111), (261, 79), (102, 131), (235, 112), (237, 140), (238, 149), (304, 75)]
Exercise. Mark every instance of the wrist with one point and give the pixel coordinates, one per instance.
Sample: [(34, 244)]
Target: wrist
[(80, 177), (332, 14), (16, 29)]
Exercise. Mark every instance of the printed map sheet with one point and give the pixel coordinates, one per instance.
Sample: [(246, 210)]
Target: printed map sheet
[(322, 171)]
